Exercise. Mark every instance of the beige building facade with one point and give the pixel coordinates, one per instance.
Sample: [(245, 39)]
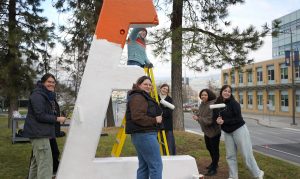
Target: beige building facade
[(265, 87)]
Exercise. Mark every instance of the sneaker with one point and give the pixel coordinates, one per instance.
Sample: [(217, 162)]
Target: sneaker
[(211, 172), (208, 167), (261, 175)]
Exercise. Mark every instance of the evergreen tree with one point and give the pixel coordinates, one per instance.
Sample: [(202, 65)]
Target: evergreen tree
[(79, 32), (23, 34), (201, 37)]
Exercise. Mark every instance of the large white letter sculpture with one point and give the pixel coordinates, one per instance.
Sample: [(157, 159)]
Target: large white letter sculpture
[(103, 74)]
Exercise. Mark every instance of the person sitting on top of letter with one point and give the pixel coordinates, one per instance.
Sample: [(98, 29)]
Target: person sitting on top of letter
[(137, 48)]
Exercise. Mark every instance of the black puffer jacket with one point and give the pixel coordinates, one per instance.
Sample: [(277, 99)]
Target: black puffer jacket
[(40, 120), (141, 112)]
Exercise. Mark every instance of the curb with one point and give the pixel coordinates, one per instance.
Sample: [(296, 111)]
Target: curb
[(259, 123)]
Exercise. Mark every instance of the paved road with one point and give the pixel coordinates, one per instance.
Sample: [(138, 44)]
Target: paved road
[(283, 143)]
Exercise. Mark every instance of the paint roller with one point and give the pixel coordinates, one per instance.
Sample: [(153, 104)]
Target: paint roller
[(215, 106), (167, 104)]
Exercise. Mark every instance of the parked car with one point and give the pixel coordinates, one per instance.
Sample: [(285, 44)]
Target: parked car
[(187, 107)]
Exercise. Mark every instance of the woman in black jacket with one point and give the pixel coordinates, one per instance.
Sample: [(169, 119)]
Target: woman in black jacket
[(236, 134), (39, 127), (167, 118)]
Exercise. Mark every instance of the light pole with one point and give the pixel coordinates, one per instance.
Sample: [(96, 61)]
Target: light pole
[(293, 81)]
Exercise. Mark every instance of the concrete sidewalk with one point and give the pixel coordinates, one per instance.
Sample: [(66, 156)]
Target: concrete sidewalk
[(273, 121)]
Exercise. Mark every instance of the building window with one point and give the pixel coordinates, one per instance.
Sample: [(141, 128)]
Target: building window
[(250, 77), (232, 79), (260, 100), (241, 80), (271, 101), (250, 100), (259, 75), (283, 72), (284, 99), (298, 100), (271, 76), (225, 79), (241, 99), (297, 72)]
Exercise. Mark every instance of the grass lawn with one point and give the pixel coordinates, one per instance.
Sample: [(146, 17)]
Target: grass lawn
[(14, 158)]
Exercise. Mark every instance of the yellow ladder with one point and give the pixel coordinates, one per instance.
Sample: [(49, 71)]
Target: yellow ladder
[(121, 135)]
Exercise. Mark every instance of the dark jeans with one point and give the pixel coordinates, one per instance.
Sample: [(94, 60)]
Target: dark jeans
[(212, 145), (55, 154), (132, 62), (171, 142)]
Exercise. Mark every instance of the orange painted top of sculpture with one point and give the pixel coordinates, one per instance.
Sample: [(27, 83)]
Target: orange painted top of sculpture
[(117, 15)]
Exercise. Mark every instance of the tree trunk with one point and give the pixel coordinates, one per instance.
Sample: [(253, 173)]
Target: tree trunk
[(11, 59), (13, 106), (110, 115), (176, 66)]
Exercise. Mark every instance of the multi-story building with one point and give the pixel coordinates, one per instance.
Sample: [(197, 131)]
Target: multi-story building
[(289, 31), (265, 87)]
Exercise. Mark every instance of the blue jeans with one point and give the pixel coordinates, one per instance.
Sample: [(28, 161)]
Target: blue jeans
[(240, 139), (147, 147)]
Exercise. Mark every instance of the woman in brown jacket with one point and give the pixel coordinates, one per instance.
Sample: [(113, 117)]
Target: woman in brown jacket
[(212, 131), (143, 116)]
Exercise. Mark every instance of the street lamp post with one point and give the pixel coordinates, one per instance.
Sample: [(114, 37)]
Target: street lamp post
[(293, 81)]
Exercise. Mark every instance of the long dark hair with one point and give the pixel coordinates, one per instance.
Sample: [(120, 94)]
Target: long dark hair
[(211, 95), (141, 79), (165, 85), (220, 99), (46, 76)]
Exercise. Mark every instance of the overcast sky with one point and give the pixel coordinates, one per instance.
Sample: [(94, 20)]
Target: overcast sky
[(255, 12)]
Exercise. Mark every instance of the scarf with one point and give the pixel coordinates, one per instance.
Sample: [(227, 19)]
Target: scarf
[(162, 96)]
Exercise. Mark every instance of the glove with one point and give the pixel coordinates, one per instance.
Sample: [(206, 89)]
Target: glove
[(149, 65)]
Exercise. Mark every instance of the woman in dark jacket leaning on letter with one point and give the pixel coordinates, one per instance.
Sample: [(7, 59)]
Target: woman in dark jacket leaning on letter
[(39, 127)]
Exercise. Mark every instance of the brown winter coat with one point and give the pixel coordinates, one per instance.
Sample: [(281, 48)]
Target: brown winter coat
[(141, 112)]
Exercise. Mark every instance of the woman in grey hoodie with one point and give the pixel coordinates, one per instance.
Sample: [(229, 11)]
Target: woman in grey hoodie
[(212, 131)]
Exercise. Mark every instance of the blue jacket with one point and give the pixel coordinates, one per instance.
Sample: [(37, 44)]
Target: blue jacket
[(137, 48), (40, 120)]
